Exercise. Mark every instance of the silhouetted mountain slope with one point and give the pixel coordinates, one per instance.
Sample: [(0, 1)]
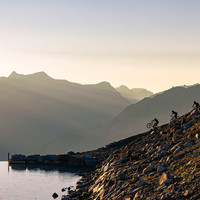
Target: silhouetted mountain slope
[(133, 119), (35, 109), (135, 94)]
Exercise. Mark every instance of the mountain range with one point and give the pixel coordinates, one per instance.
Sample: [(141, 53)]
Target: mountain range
[(40, 114), (36, 109)]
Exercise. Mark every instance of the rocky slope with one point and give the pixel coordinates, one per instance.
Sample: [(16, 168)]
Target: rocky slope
[(160, 164)]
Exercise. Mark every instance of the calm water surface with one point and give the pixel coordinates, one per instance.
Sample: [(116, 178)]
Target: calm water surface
[(33, 183)]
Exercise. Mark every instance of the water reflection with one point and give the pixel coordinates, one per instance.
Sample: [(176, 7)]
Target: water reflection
[(48, 168), (34, 182), (17, 167)]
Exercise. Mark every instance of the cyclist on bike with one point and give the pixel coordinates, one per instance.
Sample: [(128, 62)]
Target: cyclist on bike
[(174, 114), (156, 122), (195, 105)]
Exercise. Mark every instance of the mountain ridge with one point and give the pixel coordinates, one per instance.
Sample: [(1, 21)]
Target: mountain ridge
[(38, 75), (38, 106), (134, 94)]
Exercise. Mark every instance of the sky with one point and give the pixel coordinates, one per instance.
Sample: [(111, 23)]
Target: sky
[(149, 44)]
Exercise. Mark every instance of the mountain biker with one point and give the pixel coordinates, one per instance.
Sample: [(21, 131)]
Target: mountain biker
[(196, 104), (174, 114), (156, 122)]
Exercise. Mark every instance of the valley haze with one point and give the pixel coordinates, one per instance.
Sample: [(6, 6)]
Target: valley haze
[(37, 110)]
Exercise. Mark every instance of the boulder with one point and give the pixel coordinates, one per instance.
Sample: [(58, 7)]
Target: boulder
[(153, 163), (187, 193), (55, 195), (160, 168), (141, 182), (197, 135), (166, 146), (190, 143), (147, 170), (132, 168), (165, 179), (121, 174)]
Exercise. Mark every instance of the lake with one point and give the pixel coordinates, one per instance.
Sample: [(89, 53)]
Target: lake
[(20, 183)]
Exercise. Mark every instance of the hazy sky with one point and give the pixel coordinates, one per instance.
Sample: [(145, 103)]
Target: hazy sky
[(153, 44)]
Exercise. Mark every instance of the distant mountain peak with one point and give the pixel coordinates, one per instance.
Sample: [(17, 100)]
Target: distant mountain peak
[(123, 86), (135, 94), (38, 75), (13, 74), (105, 85)]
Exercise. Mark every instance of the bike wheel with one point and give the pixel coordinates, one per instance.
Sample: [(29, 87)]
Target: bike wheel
[(149, 125)]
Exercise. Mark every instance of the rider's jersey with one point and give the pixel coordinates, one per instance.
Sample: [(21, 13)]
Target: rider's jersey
[(174, 114), (156, 121)]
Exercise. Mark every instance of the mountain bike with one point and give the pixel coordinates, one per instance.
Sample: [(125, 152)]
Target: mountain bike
[(151, 124), (173, 118)]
